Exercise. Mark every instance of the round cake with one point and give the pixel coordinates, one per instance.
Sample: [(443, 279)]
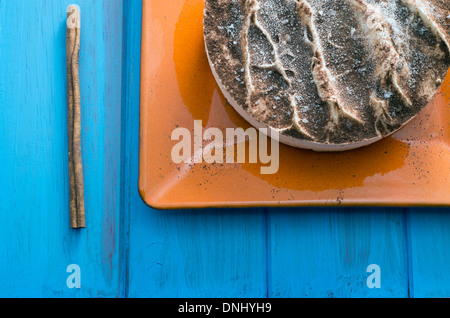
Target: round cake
[(328, 75)]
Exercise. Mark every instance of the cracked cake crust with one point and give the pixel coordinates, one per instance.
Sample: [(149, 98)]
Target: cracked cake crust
[(328, 75)]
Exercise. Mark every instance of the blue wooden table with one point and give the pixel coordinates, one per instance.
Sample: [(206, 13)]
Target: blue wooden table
[(130, 250)]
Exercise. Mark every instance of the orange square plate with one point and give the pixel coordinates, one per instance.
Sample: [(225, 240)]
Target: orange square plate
[(411, 168)]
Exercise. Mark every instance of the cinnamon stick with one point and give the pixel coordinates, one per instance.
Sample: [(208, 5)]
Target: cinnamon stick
[(76, 183)]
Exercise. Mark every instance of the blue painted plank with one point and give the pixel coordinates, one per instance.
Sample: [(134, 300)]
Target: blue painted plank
[(211, 253), (326, 252), (36, 244), (428, 239), (214, 253)]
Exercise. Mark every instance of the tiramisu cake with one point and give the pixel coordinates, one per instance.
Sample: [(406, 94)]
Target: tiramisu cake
[(328, 75)]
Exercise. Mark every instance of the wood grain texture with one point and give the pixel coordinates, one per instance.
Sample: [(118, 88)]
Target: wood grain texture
[(132, 250), (326, 252), (36, 242), (428, 240)]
